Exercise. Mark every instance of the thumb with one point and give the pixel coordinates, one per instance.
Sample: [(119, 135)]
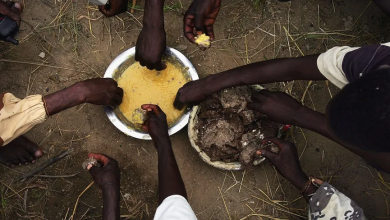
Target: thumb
[(94, 171), (267, 154)]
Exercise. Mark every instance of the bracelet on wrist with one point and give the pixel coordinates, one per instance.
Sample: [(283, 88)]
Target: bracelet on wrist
[(313, 181)]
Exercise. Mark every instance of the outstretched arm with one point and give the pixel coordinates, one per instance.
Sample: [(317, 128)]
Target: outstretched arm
[(277, 70), (170, 181), (282, 108), (151, 42), (95, 91)]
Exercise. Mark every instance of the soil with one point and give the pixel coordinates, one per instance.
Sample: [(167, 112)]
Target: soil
[(246, 32), (229, 132)]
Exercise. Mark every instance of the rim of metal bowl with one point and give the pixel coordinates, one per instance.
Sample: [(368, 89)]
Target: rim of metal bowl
[(182, 122)]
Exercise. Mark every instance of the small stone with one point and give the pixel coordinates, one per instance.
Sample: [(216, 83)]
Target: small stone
[(90, 161), (348, 23), (42, 55), (63, 78)]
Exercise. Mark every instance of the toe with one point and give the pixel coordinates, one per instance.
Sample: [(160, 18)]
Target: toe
[(14, 161), (22, 160), (38, 153), (29, 158)]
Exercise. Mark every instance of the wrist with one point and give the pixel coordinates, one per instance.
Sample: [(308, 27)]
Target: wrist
[(215, 83), (300, 180), (162, 142), (301, 116), (111, 187), (79, 92), (111, 208), (153, 15)]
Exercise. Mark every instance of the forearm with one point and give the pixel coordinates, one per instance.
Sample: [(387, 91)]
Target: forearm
[(384, 5), (153, 13), (277, 70), (312, 120), (170, 181), (111, 207), (63, 99)]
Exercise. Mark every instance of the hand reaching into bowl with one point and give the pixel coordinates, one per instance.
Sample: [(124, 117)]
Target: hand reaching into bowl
[(94, 91), (286, 161), (156, 124), (151, 42)]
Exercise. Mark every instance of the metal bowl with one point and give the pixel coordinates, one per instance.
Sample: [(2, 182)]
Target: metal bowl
[(120, 64)]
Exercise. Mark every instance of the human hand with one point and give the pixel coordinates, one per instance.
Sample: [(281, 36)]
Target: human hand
[(108, 175), (192, 93), (200, 18), (100, 91), (12, 10), (156, 123), (286, 161), (114, 7), (151, 45), (277, 106)]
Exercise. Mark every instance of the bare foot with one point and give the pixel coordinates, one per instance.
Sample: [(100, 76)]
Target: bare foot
[(19, 151)]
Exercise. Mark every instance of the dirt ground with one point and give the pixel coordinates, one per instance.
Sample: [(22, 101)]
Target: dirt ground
[(80, 44)]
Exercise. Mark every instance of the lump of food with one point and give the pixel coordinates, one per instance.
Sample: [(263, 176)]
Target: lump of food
[(227, 131), (88, 163), (144, 86), (203, 41)]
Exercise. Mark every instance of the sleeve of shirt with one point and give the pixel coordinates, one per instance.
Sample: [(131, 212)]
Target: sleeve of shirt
[(329, 203), (175, 207), (330, 65), (19, 115)]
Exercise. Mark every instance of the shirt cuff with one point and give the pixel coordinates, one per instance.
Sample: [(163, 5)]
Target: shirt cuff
[(330, 65), (20, 115)]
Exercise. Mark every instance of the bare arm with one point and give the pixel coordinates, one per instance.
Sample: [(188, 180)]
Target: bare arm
[(170, 181), (95, 91), (277, 70), (151, 42)]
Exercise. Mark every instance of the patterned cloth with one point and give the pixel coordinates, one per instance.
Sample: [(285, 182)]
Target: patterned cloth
[(330, 204), (17, 116)]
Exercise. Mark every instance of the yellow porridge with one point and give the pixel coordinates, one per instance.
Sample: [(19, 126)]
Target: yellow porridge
[(144, 86)]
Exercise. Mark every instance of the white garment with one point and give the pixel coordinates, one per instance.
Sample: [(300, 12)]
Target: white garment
[(175, 207), (99, 2), (330, 64)]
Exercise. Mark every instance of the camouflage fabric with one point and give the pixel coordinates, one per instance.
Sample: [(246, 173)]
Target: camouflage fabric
[(330, 204)]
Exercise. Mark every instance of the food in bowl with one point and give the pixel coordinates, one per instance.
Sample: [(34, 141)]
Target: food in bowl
[(228, 132), (144, 86)]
